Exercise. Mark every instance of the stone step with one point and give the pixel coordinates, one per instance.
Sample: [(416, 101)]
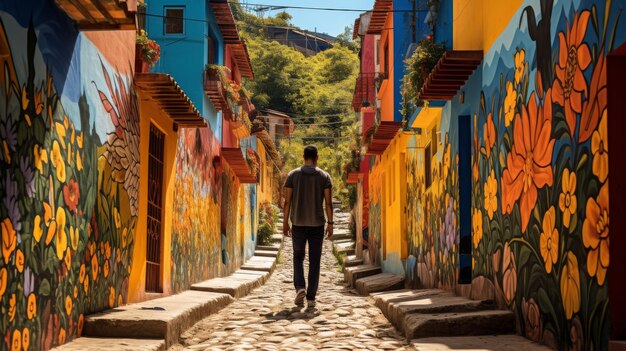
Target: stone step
[(265, 253), (379, 282), (459, 324), (108, 344), (277, 238), (481, 342), (259, 263), (264, 276), (384, 300), (237, 285), (351, 274), (617, 345), (352, 261), (434, 304), (164, 318), (268, 247)]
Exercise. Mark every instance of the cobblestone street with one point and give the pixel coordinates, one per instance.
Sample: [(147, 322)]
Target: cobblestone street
[(268, 320)]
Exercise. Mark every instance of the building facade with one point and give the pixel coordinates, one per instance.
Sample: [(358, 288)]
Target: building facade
[(119, 184), (502, 176)]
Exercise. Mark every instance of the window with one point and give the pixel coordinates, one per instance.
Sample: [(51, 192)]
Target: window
[(156, 154), (428, 167), (174, 20)]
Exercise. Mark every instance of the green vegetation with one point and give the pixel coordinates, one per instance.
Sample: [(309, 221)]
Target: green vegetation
[(419, 66), (268, 217), (317, 91)]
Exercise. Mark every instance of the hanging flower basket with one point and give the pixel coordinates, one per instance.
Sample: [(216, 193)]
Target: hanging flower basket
[(147, 52)]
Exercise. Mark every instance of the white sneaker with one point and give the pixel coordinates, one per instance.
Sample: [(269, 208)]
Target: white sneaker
[(300, 295)]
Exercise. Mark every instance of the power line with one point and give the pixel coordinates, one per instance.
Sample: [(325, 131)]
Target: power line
[(339, 9)]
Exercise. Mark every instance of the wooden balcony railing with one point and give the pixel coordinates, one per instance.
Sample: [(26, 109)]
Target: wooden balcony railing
[(214, 89)]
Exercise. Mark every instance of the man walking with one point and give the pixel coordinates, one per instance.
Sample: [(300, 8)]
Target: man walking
[(305, 190)]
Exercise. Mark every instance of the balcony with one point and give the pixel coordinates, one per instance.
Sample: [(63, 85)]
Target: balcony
[(101, 15), (215, 90), (365, 91), (380, 136)]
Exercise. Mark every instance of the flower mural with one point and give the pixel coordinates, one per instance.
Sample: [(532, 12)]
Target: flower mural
[(547, 247), (58, 200)]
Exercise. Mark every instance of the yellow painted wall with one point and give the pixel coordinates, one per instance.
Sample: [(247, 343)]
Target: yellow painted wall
[(385, 94), (150, 113), (264, 188), (478, 23), (388, 188)]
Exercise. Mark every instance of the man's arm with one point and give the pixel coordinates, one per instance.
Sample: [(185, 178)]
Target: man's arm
[(328, 200), (286, 211)]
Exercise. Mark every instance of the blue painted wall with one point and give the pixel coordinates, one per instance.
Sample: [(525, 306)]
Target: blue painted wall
[(443, 25), (402, 39), (184, 56)]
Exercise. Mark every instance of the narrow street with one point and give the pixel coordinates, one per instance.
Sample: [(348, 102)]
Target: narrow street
[(268, 320)]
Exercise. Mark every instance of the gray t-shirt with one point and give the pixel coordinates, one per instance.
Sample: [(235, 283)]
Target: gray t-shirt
[(308, 184)]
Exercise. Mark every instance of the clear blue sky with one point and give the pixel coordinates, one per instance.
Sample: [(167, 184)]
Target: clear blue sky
[(331, 22)]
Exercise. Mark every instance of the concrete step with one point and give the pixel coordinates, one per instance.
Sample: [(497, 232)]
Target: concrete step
[(617, 345), (277, 238), (481, 342), (346, 248), (236, 285), (379, 282), (434, 304), (384, 300), (264, 276), (341, 236), (268, 247), (259, 263), (265, 253), (108, 344), (459, 324), (352, 261), (164, 318), (351, 274)]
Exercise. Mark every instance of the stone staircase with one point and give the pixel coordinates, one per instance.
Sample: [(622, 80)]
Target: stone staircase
[(433, 313)]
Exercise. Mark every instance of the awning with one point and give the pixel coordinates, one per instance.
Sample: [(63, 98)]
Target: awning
[(379, 16), (450, 74), (353, 178), (101, 14), (242, 58), (165, 92), (239, 165), (226, 21), (383, 136)]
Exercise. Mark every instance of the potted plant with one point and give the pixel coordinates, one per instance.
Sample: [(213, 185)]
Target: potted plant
[(147, 52)]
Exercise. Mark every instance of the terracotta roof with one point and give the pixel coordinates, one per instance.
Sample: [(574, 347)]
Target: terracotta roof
[(100, 14), (379, 16), (450, 74), (242, 58), (383, 136), (239, 165), (167, 94), (355, 31)]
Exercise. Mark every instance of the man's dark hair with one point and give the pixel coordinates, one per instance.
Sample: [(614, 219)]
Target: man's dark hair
[(310, 152)]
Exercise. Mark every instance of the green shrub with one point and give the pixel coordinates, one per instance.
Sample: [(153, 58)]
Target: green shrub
[(264, 235)]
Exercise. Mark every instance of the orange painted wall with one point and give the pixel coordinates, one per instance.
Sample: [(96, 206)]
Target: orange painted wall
[(150, 113)]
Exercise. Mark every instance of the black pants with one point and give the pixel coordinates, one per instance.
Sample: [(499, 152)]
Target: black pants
[(315, 237)]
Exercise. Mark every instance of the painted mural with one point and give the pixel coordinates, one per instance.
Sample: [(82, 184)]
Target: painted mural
[(432, 217), (203, 248), (69, 180), (375, 218), (539, 173), (196, 241)]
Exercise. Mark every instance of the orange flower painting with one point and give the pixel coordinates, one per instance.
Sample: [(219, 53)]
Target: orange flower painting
[(574, 58), (529, 162)]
